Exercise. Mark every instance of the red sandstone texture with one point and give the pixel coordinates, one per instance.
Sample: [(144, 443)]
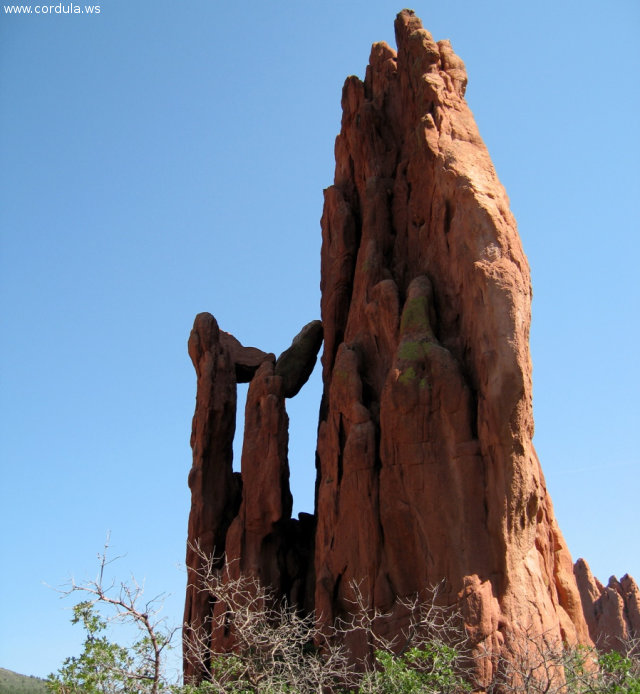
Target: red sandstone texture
[(425, 465), (612, 611), (220, 362), (244, 517)]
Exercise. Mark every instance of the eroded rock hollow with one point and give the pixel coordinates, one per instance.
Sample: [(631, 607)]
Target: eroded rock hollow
[(425, 464)]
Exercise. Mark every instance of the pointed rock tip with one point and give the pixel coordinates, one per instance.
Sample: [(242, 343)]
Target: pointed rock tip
[(415, 42), (352, 95), (381, 51), (204, 333), (204, 320), (581, 565), (406, 23), (408, 18)]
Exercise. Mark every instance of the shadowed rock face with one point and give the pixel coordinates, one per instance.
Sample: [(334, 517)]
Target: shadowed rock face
[(425, 464), (220, 362), (295, 364), (246, 516)]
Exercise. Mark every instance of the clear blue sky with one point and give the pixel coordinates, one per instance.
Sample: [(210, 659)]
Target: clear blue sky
[(165, 158)]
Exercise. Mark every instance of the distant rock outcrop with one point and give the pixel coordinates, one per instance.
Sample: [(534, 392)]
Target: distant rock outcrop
[(425, 464), (612, 611)]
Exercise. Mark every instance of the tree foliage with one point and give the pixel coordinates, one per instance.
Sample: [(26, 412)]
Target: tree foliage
[(432, 668), (104, 666)]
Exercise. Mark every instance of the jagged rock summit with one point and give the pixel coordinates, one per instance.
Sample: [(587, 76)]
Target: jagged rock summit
[(612, 611), (425, 464)]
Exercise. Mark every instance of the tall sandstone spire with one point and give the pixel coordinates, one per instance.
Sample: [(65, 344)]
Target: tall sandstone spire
[(425, 464)]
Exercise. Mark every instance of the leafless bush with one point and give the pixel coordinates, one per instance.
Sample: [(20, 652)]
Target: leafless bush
[(272, 647), (275, 648), (431, 621), (542, 664), (535, 664)]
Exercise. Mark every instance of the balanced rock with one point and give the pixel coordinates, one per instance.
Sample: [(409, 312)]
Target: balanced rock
[(296, 363), (242, 518)]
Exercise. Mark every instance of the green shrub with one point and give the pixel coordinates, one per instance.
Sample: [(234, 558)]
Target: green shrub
[(432, 668)]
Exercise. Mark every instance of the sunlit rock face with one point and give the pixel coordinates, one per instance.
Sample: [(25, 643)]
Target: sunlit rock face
[(612, 611), (425, 464)]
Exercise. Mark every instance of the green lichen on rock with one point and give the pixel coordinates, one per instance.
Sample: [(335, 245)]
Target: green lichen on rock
[(407, 376), (415, 315), (413, 350)]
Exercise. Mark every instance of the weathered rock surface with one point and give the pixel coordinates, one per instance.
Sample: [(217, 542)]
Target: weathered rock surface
[(295, 364), (246, 516), (425, 464), (263, 540), (612, 612), (220, 362)]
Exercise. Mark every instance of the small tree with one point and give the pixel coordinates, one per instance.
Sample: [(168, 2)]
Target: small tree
[(105, 667), (432, 668), (620, 672)]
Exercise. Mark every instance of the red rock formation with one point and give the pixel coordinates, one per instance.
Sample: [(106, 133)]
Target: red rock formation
[(612, 612), (220, 362), (244, 516), (426, 466), (263, 540)]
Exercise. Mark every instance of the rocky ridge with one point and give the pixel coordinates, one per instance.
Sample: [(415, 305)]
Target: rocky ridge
[(612, 612)]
